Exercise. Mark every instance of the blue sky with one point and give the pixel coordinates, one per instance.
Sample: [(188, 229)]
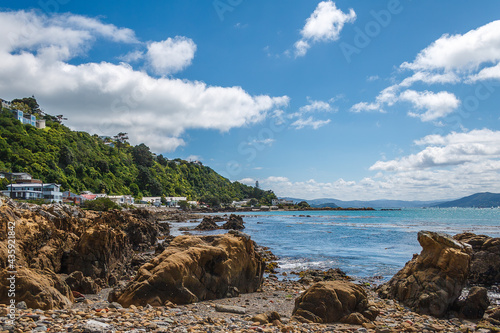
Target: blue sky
[(345, 99)]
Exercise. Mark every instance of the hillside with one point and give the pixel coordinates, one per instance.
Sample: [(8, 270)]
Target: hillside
[(329, 202), (478, 200), (80, 161)]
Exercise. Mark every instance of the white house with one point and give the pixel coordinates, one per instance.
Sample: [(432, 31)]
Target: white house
[(5, 104), (32, 191), (155, 201), (174, 201), (241, 203), (122, 199)]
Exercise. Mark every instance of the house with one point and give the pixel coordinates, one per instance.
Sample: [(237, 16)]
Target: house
[(69, 197), (22, 177), (122, 199), (174, 201), (33, 191), (276, 202), (155, 201), (193, 203), (240, 203), (29, 119), (5, 104)]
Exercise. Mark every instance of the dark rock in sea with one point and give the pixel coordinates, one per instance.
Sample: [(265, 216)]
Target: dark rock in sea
[(83, 284), (474, 305), (208, 223), (235, 222), (485, 258), (195, 268), (316, 275), (334, 301), (432, 281)]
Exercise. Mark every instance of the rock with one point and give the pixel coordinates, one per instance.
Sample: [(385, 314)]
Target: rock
[(195, 268), (235, 222), (266, 318), (22, 305), (333, 301), (316, 275), (206, 224), (94, 326), (495, 314), (100, 251), (38, 289), (485, 259), (432, 281), (230, 309), (83, 284), (474, 305)]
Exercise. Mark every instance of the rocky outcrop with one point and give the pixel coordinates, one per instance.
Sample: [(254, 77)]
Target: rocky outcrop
[(317, 275), (76, 281), (485, 258), (208, 223), (195, 268), (235, 222), (334, 301), (432, 281), (38, 289)]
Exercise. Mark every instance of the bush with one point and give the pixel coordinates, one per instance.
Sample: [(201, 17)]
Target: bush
[(101, 204)]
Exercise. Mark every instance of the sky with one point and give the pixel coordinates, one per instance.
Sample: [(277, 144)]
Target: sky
[(350, 100)]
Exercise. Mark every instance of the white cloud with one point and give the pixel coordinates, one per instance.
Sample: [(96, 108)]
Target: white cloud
[(324, 24), (171, 55), (372, 78), (265, 142), (106, 98), (316, 106), (194, 158), (435, 105), (460, 52), (309, 122), (132, 56), (247, 181), (487, 73)]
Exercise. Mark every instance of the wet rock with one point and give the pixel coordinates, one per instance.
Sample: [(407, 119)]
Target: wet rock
[(474, 305), (333, 301), (316, 275), (83, 284), (432, 281), (485, 258), (195, 268), (38, 289), (235, 222), (208, 223)]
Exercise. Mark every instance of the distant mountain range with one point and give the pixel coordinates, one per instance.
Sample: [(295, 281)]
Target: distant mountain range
[(479, 200)]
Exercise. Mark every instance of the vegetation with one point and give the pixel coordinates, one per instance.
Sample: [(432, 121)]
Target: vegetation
[(101, 204), (80, 161)]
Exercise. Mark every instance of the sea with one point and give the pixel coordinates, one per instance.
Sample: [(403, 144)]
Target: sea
[(367, 245)]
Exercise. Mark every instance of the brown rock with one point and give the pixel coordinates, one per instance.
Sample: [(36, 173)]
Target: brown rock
[(235, 222), (485, 259), (332, 301), (83, 284), (266, 318), (39, 289), (195, 268), (433, 280), (475, 304), (206, 224)]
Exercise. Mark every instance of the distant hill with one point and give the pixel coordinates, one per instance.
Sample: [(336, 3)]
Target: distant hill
[(478, 200), (370, 203), (324, 205)]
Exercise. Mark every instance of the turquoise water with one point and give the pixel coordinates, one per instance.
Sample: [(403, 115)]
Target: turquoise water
[(364, 244)]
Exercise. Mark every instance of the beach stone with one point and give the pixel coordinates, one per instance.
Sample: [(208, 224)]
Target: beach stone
[(38, 289), (485, 258), (230, 309), (195, 268), (266, 318), (94, 326), (476, 303), (432, 281), (235, 222), (333, 301)]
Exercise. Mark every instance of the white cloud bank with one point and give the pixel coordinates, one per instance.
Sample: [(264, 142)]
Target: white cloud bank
[(451, 59), (107, 98), (324, 25)]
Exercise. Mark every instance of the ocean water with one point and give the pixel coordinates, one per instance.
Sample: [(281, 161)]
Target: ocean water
[(364, 244)]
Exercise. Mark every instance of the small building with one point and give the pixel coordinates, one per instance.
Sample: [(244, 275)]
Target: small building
[(276, 202), (155, 201), (122, 199), (22, 177), (174, 201), (240, 203), (5, 104), (69, 197), (34, 191)]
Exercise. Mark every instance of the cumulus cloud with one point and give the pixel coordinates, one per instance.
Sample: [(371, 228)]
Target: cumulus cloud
[(324, 25), (309, 122), (106, 98), (435, 105), (171, 55), (451, 59)]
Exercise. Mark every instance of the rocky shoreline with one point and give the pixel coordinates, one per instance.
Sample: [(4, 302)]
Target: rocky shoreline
[(83, 271)]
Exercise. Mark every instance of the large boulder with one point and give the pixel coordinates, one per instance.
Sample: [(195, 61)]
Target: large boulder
[(83, 284), (432, 281), (474, 305), (334, 301), (39, 289), (195, 268), (235, 222), (485, 259)]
